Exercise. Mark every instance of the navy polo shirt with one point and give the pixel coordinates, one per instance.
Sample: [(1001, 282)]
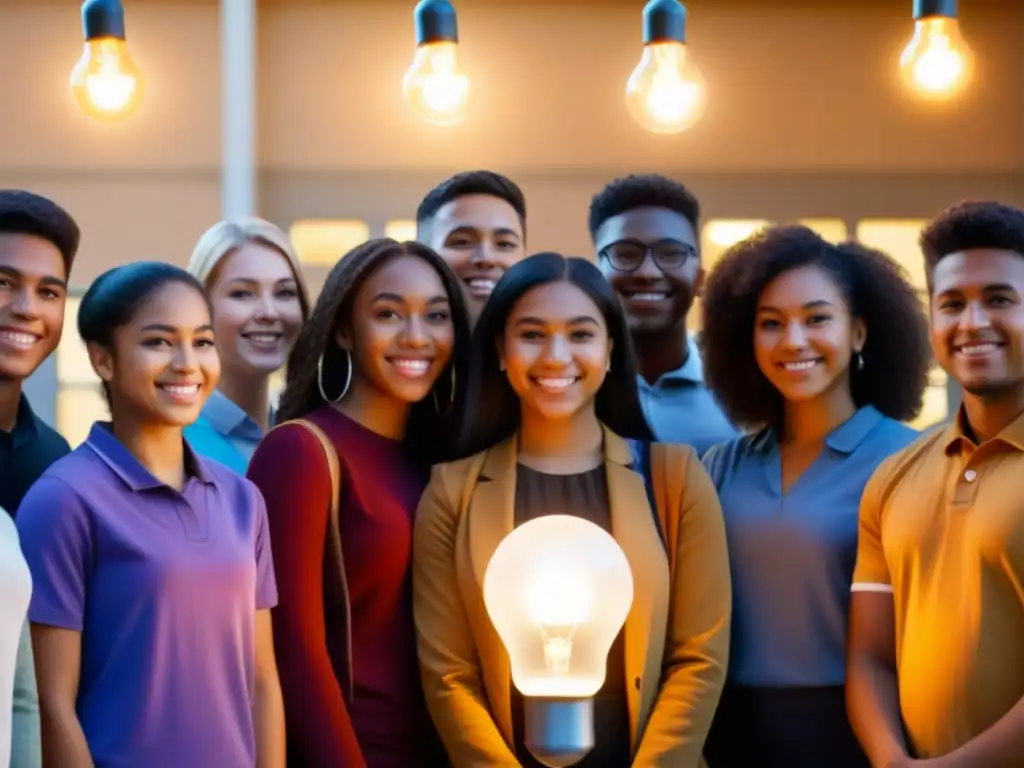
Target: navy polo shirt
[(792, 556), (25, 453)]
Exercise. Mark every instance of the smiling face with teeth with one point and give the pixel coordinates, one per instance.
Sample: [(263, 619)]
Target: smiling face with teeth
[(805, 336), (163, 364), (33, 292), (401, 335), (977, 320), (555, 350), (257, 310)]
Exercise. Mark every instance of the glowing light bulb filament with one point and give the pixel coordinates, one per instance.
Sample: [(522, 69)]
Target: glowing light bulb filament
[(936, 63)]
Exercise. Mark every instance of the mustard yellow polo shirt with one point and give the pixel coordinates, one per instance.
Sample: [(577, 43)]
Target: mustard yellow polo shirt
[(942, 529)]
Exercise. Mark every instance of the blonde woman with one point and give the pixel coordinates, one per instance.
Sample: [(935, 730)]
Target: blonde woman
[(259, 302)]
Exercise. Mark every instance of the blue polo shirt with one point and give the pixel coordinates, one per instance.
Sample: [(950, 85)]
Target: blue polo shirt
[(792, 556), (681, 409), (225, 433), (163, 586)]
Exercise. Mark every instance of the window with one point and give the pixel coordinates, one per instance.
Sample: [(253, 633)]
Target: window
[(79, 393), (400, 229), (833, 230), (322, 242), (718, 236), (898, 238)]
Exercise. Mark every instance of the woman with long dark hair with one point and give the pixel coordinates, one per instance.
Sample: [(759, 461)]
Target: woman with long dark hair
[(374, 385), (151, 567), (551, 401)]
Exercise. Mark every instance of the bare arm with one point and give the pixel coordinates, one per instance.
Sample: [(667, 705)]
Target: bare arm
[(268, 707), (1001, 746), (58, 655), (872, 693)]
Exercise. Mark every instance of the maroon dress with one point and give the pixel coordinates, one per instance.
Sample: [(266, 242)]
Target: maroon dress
[(385, 723)]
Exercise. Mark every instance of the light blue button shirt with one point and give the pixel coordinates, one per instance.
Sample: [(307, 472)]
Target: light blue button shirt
[(225, 433), (792, 556), (681, 409)]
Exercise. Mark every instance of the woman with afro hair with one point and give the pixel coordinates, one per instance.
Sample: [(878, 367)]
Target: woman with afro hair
[(820, 351)]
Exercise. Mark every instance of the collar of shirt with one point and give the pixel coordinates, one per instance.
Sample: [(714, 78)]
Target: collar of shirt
[(955, 436), (229, 420), (690, 372), (843, 439), (25, 430), (122, 463)]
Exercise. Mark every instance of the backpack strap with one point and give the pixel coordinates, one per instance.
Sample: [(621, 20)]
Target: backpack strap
[(334, 560)]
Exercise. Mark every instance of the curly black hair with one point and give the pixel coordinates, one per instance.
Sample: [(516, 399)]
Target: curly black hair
[(26, 213), (642, 190), (431, 434), (472, 183), (972, 224), (896, 353)]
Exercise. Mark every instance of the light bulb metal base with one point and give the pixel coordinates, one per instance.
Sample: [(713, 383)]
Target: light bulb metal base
[(435, 22), (926, 8), (103, 18), (559, 732), (664, 21)]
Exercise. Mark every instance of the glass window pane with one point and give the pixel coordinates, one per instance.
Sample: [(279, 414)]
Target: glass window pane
[(833, 230), (73, 366), (721, 234), (400, 229), (77, 409), (898, 238), (324, 241)]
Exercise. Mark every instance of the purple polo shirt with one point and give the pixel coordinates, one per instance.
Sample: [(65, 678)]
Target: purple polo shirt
[(163, 585)]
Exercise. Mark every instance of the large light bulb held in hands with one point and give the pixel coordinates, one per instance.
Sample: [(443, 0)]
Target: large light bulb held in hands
[(937, 62), (105, 83), (433, 85), (666, 93), (558, 590)]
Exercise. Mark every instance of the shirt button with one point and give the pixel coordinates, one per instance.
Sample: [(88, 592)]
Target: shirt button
[(970, 475)]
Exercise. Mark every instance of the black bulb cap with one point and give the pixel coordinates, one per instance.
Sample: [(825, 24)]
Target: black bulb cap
[(103, 18), (664, 21), (435, 22), (925, 8)]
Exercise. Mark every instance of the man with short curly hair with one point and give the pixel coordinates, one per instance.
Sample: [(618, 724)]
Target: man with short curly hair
[(645, 231), (936, 646)]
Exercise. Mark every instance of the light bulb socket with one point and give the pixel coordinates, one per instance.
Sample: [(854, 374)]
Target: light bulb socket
[(924, 9), (558, 732), (435, 22), (103, 18), (664, 21)]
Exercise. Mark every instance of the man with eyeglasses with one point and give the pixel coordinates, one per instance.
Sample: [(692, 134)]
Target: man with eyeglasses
[(644, 228)]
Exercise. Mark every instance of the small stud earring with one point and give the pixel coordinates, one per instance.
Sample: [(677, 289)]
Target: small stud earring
[(860, 361)]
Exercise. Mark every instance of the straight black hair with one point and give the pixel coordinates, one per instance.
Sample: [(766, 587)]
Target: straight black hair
[(492, 406)]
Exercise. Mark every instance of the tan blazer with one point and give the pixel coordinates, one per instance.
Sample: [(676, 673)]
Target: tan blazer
[(676, 635)]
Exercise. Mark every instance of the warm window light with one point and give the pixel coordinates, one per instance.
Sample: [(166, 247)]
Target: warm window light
[(725, 233), (433, 85), (558, 590), (105, 83), (400, 229), (666, 93), (322, 242), (937, 63), (899, 239), (833, 230)]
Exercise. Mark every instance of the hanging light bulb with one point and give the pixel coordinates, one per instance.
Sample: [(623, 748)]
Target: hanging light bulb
[(558, 590), (433, 85), (106, 82), (937, 63), (665, 93)]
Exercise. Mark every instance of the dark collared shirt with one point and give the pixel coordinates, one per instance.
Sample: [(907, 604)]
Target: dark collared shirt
[(25, 453)]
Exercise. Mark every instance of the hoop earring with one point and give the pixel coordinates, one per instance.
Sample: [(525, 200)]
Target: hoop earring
[(451, 398), (860, 361), (320, 379)]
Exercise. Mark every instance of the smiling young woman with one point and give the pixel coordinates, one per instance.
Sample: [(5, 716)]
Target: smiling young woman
[(260, 302), (821, 350), (152, 569), (552, 398), (376, 379)]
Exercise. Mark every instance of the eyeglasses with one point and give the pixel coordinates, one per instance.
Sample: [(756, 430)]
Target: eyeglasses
[(628, 255)]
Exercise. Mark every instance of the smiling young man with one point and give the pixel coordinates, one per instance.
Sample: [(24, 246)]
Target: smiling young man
[(476, 220), (936, 648), (644, 229), (38, 243)]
